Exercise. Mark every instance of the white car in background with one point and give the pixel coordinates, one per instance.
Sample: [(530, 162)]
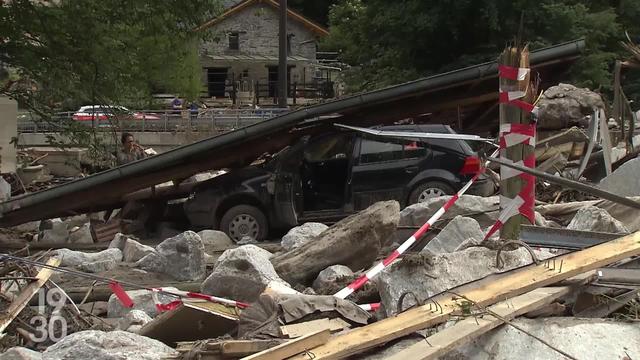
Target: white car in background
[(100, 112)]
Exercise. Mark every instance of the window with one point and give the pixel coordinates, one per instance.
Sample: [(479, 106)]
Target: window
[(234, 41), (289, 41), (377, 151), (332, 147)]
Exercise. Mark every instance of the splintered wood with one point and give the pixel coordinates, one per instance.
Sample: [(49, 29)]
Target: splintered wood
[(483, 292)]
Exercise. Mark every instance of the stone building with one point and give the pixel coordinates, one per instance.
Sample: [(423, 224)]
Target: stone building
[(241, 62)]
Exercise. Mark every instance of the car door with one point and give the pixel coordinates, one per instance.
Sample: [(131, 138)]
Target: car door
[(383, 169), (287, 186)]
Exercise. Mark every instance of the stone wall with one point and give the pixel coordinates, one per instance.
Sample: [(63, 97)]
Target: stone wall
[(8, 130)]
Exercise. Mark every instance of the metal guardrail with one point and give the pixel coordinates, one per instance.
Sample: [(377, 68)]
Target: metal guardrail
[(156, 121)]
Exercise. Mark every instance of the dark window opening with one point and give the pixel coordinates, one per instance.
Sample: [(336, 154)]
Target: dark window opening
[(234, 41), (289, 41), (377, 151)]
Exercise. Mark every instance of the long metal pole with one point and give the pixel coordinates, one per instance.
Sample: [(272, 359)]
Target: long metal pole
[(282, 57), (569, 183)]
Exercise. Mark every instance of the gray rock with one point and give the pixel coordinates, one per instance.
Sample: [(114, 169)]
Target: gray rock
[(591, 218), (300, 235), (354, 242), (81, 235), (98, 266), (53, 231), (142, 300), (20, 353), (241, 274), (563, 105), (454, 234), (584, 339), (112, 345), (134, 251), (329, 275), (425, 276), (134, 321), (75, 258), (247, 240), (30, 227), (181, 256), (625, 180), (5, 190), (78, 220), (118, 241), (214, 240), (485, 210)]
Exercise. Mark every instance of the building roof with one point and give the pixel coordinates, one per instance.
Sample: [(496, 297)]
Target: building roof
[(240, 147), (315, 28)]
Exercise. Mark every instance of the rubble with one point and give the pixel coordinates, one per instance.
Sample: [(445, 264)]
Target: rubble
[(564, 105), (214, 240), (581, 338), (302, 234), (353, 242), (624, 181), (98, 266), (329, 275), (133, 251), (591, 218), (426, 276), (181, 256), (133, 321), (241, 274), (457, 231), (483, 209), (81, 235), (142, 300), (76, 258), (53, 231), (20, 353), (101, 345)]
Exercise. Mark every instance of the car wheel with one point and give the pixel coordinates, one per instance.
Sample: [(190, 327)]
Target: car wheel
[(428, 190), (244, 220)]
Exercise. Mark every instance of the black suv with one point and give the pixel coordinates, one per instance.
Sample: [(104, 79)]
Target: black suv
[(328, 177)]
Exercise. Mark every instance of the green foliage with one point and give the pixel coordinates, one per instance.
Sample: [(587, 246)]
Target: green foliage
[(94, 51), (390, 42)]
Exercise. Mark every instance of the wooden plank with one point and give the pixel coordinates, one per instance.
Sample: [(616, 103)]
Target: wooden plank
[(26, 294), (472, 327), (301, 329), (292, 347), (238, 348), (484, 292)]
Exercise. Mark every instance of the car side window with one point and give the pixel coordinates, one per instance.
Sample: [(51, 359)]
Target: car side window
[(373, 151), (328, 148)]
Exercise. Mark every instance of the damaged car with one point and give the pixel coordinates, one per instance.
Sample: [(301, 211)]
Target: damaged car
[(327, 177)]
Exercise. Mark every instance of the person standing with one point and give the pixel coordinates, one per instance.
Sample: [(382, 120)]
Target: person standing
[(130, 150)]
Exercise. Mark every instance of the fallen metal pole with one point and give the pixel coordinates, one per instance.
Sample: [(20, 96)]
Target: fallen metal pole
[(570, 183)]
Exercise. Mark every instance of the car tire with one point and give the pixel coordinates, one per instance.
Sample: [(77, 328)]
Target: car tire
[(429, 189), (244, 220)]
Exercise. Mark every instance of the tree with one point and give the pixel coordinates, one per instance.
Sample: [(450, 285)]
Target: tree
[(99, 51), (390, 42)]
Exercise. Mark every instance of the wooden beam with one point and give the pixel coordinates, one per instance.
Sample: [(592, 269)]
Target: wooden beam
[(304, 328), (484, 292), (472, 327), (26, 294), (238, 348), (292, 347)]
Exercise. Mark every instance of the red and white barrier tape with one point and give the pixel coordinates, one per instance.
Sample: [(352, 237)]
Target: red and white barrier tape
[(512, 73), (375, 270), (189, 295), (370, 307)]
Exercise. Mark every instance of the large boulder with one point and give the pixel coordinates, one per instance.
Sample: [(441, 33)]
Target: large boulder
[(181, 256), (20, 353), (53, 231), (328, 276), (591, 218), (81, 235), (241, 274), (300, 235), (76, 258), (98, 266), (215, 240), (564, 105), (134, 251), (484, 209), (454, 234), (625, 180), (354, 242), (112, 345), (142, 300), (425, 276), (134, 321), (581, 338)]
